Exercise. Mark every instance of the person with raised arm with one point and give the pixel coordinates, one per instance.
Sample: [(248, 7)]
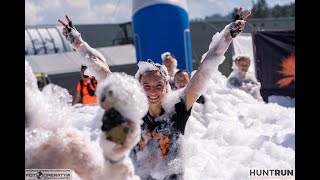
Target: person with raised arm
[(158, 153)]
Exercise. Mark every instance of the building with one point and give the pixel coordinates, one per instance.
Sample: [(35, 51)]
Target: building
[(48, 52)]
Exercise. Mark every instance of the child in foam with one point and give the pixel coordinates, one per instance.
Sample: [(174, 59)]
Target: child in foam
[(242, 79)]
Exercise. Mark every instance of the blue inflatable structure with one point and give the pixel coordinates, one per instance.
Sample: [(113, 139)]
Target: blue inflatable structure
[(160, 26)]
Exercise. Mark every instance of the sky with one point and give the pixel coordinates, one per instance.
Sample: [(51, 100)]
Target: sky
[(42, 12), (224, 139)]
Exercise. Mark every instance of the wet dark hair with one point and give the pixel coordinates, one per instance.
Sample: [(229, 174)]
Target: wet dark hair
[(83, 67), (181, 71), (241, 58), (158, 66), (149, 66), (160, 69)]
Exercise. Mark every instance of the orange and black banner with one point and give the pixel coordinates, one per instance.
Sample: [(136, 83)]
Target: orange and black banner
[(275, 62)]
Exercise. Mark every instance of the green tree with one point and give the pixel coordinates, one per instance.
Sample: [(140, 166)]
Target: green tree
[(232, 14), (277, 11), (290, 10), (260, 9), (283, 11)]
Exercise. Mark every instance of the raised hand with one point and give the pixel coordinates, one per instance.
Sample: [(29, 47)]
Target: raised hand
[(238, 23), (71, 33)]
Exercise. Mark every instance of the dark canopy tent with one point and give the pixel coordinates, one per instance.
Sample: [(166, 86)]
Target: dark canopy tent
[(275, 62)]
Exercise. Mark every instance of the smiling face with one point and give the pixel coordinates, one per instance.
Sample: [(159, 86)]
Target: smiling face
[(154, 85), (181, 79)]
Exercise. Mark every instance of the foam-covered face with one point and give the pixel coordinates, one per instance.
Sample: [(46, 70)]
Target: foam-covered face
[(181, 80), (154, 86), (243, 65)]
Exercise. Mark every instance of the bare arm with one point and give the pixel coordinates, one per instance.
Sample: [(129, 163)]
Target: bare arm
[(76, 98), (92, 58), (211, 60)]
